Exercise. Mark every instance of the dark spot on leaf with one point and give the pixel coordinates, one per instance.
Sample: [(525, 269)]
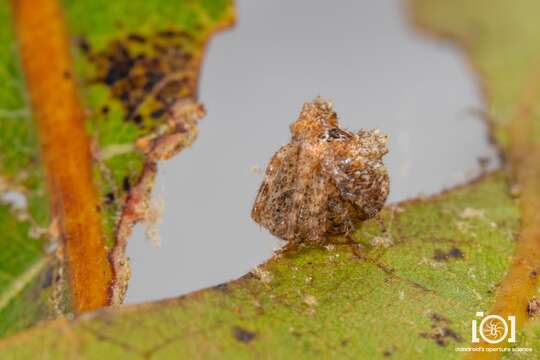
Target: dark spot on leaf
[(439, 255), (440, 332), (157, 114), (168, 94), (453, 253), (105, 110), (456, 253), (452, 334), (124, 96), (438, 317), (109, 198), (167, 33), (136, 38), (137, 119), (120, 67), (533, 274), (126, 184), (153, 77), (171, 33), (243, 335), (147, 73), (83, 45), (67, 74), (389, 352)]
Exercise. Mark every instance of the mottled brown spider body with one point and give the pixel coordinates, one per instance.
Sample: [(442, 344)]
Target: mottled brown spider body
[(325, 181)]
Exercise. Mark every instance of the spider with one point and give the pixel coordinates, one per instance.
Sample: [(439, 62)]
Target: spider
[(324, 181)]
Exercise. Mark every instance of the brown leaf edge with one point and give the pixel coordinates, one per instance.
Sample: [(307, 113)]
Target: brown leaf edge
[(181, 134)]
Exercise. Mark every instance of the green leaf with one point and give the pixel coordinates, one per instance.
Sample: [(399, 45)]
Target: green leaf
[(136, 67), (415, 296)]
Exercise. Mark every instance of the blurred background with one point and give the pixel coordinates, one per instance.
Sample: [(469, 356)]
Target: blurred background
[(362, 54)]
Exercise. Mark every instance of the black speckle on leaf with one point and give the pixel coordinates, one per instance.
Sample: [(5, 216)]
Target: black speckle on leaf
[(137, 119), (136, 38), (389, 352), (109, 198), (453, 254), (438, 317), (83, 45), (126, 184), (243, 335), (441, 333), (147, 74), (157, 114)]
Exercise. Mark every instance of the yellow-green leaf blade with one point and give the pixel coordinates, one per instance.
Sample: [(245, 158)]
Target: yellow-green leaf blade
[(327, 302)]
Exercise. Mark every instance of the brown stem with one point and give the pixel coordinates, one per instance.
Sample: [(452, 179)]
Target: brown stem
[(521, 280), (65, 148)]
